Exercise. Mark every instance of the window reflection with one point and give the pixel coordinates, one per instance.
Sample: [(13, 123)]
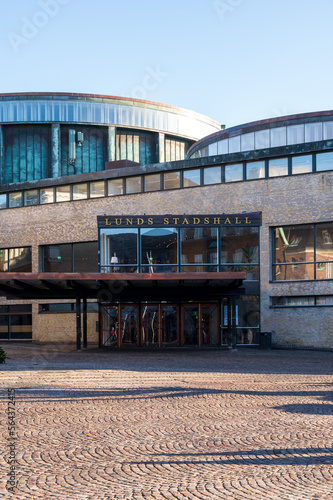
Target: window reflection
[(15, 200), (172, 180), (119, 250), (115, 187), (153, 182), (199, 248), (324, 161), (278, 167), (158, 250), (212, 175), (191, 178), (239, 245), (255, 170), (301, 164), (234, 172)]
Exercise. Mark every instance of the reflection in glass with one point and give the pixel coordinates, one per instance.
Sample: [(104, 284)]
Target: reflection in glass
[(212, 149), (63, 193), (198, 247), (278, 167), (247, 142), (149, 325), (15, 200), (133, 185), (278, 137), (172, 180), (3, 201), (158, 250), (239, 245), (211, 175), (255, 170), (46, 195), (169, 325), (20, 260), (153, 182), (252, 272), (301, 164), (234, 172), (234, 144), (328, 130), (129, 322), (313, 132), (115, 187), (295, 271), (324, 242), (97, 189), (57, 258), (110, 326), (3, 260), (294, 244), (295, 134), (191, 178), (80, 191), (324, 161), (247, 319), (261, 138), (31, 197), (223, 147), (190, 325), (85, 257), (119, 250), (209, 325)]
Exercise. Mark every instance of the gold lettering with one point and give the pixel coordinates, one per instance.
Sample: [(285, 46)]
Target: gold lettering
[(150, 221), (238, 221), (176, 219), (107, 223), (166, 221), (227, 221), (118, 222), (247, 221), (129, 222), (196, 220), (185, 221), (140, 221), (216, 220), (206, 220)]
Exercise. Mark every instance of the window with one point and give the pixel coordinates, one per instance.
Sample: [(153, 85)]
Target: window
[(97, 189), (115, 187), (133, 185), (15, 200), (198, 249), (15, 260), (278, 137), (234, 172), (159, 250), (175, 149), (240, 250), (46, 195), (278, 167), (172, 180), (153, 182), (191, 178), (3, 201), (324, 161), (119, 250), (301, 164), (303, 252), (255, 170), (302, 301), (63, 193), (16, 322), (31, 197), (70, 257), (211, 175), (80, 191), (65, 307)]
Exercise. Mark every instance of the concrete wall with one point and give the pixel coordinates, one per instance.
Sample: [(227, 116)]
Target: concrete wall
[(286, 200)]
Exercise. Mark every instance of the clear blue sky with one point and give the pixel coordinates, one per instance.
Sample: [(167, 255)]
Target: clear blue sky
[(233, 60)]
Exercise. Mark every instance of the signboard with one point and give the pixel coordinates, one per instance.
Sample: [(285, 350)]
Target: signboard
[(202, 220)]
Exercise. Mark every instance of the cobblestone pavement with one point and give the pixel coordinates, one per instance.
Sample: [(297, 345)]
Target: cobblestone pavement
[(168, 424)]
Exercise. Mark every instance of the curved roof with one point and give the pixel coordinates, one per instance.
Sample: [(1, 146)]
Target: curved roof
[(46, 107)]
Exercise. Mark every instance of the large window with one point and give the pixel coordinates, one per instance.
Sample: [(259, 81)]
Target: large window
[(119, 250), (15, 260), (159, 250), (303, 252), (198, 249), (240, 250), (16, 322), (70, 257)]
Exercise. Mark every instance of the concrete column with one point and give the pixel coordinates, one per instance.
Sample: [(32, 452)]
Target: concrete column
[(55, 155), (161, 148), (112, 143)]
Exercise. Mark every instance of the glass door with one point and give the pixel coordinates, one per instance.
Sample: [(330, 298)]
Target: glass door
[(169, 325), (209, 324), (190, 324), (149, 325), (129, 325), (110, 326)]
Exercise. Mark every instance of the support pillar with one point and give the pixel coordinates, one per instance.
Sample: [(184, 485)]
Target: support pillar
[(78, 323), (85, 329), (234, 331), (112, 131), (55, 154), (229, 308)]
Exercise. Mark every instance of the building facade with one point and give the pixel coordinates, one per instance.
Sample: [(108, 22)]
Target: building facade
[(131, 223)]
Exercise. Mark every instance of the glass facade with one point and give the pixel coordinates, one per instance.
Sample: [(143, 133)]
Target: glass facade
[(16, 322), (16, 260), (69, 258), (303, 252)]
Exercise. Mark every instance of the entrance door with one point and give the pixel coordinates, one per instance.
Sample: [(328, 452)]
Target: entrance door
[(210, 324), (110, 326), (190, 324), (169, 325), (129, 325), (150, 325)]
